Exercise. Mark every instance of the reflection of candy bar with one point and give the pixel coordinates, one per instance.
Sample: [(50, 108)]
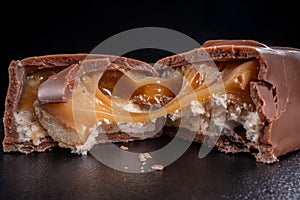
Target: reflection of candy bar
[(240, 94)]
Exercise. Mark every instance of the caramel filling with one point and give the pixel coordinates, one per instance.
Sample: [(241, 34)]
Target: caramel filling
[(31, 129), (194, 85), (106, 95)]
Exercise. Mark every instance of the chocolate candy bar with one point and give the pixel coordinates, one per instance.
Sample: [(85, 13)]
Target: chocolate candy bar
[(240, 94)]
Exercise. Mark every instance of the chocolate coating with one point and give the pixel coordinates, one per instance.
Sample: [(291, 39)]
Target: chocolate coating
[(277, 93)]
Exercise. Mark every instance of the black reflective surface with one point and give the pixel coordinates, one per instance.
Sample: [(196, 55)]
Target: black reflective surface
[(58, 174)]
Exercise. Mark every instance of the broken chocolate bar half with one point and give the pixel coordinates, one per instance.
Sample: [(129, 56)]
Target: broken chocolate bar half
[(265, 122), (239, 93), (23, 131)]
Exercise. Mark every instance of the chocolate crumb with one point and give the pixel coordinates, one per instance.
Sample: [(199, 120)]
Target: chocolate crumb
[(144, 156), (124, 148), (157, 167)]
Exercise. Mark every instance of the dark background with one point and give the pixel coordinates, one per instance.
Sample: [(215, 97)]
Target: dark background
[(51, 27)]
